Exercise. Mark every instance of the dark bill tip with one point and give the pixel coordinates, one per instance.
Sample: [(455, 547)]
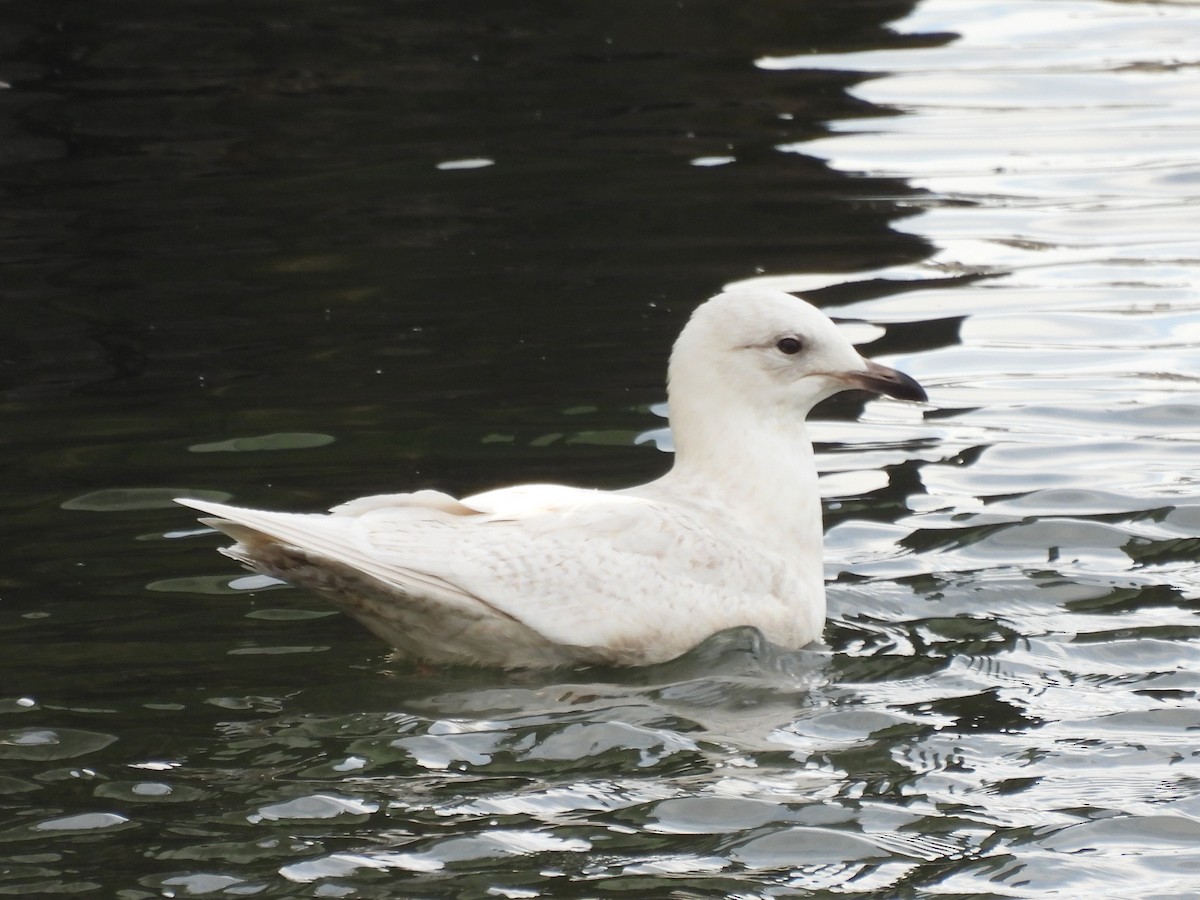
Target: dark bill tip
[(884, 380)]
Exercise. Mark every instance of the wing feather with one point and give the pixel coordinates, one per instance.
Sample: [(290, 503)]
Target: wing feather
[(578, 574)]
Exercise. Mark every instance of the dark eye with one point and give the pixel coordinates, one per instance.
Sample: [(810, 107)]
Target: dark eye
[(789, 345)]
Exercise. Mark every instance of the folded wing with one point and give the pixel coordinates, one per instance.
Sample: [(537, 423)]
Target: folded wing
[(538, 575)]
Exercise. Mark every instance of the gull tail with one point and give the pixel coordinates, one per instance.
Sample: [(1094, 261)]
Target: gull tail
[(421, 614)]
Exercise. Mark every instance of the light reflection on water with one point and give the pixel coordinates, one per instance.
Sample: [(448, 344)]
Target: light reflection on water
[(1056, 535), (1006, 706)]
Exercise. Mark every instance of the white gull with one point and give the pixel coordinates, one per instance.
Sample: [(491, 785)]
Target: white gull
[(545, 575)]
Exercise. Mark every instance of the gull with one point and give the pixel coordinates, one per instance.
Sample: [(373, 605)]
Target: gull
[(546, 575)]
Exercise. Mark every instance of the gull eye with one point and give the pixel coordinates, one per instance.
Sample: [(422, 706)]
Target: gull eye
[(789, 345)]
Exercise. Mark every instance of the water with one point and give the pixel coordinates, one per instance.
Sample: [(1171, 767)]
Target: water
[(253, 249)]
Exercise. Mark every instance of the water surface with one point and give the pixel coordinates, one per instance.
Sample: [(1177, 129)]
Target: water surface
[(291, 254)]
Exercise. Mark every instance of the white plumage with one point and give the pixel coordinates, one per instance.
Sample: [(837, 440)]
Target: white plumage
[(547, 575)]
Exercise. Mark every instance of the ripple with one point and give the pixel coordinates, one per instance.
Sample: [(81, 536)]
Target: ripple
[(216, 585), (492, 845), (149, 792), (46, 744), (801, 846), (713, 815), (83, 822), (1162, 834), (126, 499), (200, 883), (282, 440), (315, 806)]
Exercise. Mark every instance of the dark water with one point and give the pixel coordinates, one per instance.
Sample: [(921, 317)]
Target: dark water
[(294, 252)]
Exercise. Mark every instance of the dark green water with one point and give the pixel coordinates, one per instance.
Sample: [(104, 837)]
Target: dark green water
[(294, 253)]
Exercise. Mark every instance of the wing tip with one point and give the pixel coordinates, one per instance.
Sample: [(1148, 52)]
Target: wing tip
[(207, 506), (223, 518)]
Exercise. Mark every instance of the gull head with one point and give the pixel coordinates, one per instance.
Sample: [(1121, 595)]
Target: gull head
[(768, 350)]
